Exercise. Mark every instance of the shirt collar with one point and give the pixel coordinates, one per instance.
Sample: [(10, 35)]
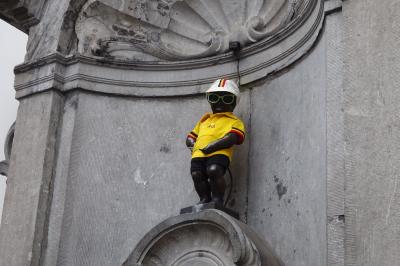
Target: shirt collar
[(228, 114)]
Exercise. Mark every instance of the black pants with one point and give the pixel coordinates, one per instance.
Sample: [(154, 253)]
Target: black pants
[(201, 164)]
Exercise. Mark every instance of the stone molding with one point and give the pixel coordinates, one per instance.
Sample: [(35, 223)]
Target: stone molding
[(4, 165), (177, 78), (209, 237)]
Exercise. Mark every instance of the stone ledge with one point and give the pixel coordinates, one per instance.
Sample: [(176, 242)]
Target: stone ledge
[(207, 206)]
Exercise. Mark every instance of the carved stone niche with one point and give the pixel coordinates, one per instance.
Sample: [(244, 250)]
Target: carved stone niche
[(7, 151), (150, 30), (210, 237), (158, 48)]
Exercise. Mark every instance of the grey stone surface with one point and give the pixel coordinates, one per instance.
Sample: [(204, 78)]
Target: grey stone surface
[(4, 165), (287, 161), (209, 237), (46, 69), (108, 183), (9, 142), (159, 28), (60, 187), (371, 121), (209, 205), (23, 230), (120, 175), (176, 30), (22, 14), (331, 6), (335, 138), (45, 37), (310, 134), (56, 31)]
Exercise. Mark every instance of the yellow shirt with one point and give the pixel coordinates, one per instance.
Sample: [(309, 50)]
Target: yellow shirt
[(212, 127)]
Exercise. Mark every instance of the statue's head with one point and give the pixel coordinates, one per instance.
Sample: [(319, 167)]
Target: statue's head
[(223, 95)]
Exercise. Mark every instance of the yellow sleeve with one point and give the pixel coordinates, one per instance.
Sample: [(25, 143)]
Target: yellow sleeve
[(238, 129), (195, 131)]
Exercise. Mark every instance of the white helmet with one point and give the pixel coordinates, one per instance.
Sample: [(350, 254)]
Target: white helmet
[(225, 85)]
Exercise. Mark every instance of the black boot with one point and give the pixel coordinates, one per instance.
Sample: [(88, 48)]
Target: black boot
[(218, 200)]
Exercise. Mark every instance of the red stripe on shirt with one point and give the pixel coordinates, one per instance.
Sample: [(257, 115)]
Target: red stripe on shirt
[(235, 128), (192, 137), (239, 134)]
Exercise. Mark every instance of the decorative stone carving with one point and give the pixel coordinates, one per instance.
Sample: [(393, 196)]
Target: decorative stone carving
[(22, 14), (136, 70), (148, 30), (209, 237), (7, 151)]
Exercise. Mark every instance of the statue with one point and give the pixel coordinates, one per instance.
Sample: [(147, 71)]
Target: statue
[(212, 141)]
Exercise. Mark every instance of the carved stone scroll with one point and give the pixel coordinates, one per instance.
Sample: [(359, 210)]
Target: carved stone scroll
[(150, 30), (210, 237), (4, 165)]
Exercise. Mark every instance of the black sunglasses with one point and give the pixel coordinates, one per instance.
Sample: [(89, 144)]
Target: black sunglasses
[(226, 99)]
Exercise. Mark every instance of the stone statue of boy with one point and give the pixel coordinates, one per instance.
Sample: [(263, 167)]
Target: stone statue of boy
[(212, 140)]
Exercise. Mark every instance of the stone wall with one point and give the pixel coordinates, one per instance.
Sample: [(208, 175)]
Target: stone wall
[(119, 175), (287, 161), (119, 165), (100, 156), (371, 96)]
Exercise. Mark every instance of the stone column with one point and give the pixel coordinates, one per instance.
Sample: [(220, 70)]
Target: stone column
[(23, 230), (372, 130)]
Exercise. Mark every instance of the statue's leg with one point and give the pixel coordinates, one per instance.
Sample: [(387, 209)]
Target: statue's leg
[(201, 186), (216, 174)]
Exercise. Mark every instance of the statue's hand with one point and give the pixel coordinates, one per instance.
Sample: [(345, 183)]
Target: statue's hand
[(190, 143)]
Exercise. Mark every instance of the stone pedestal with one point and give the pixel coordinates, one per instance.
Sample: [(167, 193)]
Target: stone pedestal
[(209, 237)]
